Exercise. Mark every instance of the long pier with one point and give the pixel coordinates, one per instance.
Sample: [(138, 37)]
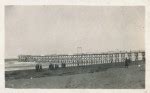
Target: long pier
[(85, 59)]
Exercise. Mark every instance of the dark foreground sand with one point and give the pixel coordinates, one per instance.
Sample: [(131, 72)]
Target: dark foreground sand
[(110, 78)]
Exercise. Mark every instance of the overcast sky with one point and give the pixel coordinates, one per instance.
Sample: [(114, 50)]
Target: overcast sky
[(61, 29)]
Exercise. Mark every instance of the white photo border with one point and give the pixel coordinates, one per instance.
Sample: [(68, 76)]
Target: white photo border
[(145, 3)]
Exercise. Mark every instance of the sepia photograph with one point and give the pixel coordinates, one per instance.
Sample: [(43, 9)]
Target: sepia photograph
[(74, 47)]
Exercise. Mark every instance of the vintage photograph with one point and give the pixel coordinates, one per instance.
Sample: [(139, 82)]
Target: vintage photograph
[(74, 47)]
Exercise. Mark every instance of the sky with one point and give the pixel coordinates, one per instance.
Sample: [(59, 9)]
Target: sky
[(45, 30)]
